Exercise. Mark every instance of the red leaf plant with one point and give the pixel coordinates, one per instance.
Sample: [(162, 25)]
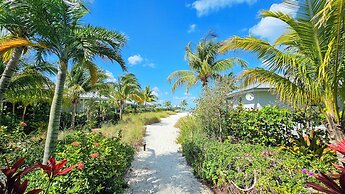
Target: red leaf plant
[(53, 169), (13, 183), (333, 184)]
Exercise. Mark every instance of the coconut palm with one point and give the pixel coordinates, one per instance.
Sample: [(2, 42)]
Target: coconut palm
[(16, 20), (64, 36), (203, 64), (127, 88), (306, 63)]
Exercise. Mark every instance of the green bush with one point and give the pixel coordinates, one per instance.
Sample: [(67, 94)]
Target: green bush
[(103, 162), (225, 164), (15, 144), (268, 126)]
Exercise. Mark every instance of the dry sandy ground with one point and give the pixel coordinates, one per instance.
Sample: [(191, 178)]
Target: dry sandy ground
[(161, 168)]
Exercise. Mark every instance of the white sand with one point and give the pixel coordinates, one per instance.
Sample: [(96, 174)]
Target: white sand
[(161, 168)]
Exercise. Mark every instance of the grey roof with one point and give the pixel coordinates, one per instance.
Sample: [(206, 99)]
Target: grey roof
[(253, 87)]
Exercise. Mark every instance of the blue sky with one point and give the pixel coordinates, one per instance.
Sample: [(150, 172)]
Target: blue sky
[(158, 31)]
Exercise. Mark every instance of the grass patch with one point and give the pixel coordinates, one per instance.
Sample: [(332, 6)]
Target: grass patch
[(131, 129)]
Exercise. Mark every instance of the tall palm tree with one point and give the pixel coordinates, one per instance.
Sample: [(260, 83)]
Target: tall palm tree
[(306, 63), (127, 88), (16, 20), (203, 64), (64, 36)]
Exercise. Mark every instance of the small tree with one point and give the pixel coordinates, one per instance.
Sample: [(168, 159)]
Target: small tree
[(213, 105)]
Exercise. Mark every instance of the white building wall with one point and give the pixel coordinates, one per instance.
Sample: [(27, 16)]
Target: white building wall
[(261, 99)]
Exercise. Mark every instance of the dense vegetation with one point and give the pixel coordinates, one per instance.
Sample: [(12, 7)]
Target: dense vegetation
[(250, 159)]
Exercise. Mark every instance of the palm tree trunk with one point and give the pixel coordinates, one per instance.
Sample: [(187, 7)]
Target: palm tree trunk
[(74, 110), (55, 114), (335, 134), (13, 108), (24, 112), (9, 71), (121, 107)]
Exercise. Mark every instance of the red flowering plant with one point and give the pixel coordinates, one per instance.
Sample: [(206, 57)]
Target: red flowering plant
[(13, 184), (334, 183)]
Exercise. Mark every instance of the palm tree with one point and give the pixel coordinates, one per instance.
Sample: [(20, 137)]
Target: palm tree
[(16, 18), (148, 96), (81, 80), (64, 36), (127, 88), (306, 63), (203, 64), (183, 104), (29, 85), (168, 105)]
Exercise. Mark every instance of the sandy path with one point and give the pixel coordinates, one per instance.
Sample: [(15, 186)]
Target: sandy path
[(161, 168)]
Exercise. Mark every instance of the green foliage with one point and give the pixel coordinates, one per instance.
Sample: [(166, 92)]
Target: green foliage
[(15, 144), (212, 107), (310, 146), (227, 164), (104, 160), (268, 126)]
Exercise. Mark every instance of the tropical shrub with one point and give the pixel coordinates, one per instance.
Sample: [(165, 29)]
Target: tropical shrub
[(247, 167), (16, 144), (213, 106), (334, 183), (101, 165), (268, 126), (13, 183)]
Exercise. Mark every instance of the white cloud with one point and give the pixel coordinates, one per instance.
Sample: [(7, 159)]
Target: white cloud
[(151, 65), (271, 28), (155, 91), (110, 76), (166, 93), (204, 7), (192, 28), (135, 59)]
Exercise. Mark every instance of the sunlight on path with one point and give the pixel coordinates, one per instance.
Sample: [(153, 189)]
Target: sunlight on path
[(161, 168)]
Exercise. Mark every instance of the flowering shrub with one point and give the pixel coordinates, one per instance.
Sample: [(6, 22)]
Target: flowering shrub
[(100, 165)]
